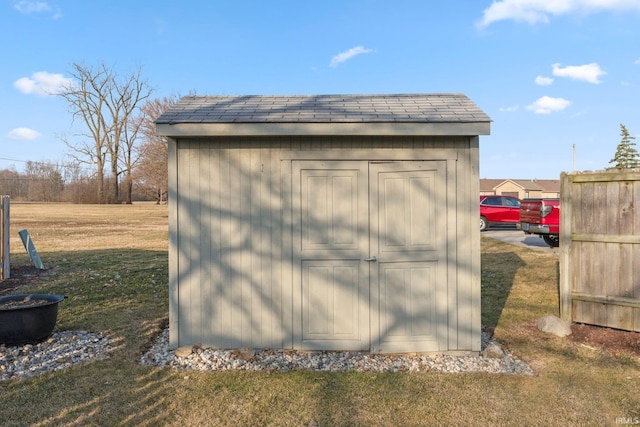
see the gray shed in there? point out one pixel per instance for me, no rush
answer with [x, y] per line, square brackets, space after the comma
[325, 222]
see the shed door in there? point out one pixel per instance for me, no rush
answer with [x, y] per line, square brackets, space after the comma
[345, 214]
[408, 212]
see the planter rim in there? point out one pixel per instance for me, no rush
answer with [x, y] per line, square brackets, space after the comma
[49, 298]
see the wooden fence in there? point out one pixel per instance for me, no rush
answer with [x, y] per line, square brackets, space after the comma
[5, 265]
[600, 249]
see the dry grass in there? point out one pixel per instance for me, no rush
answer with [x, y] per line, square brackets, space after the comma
[112, 263]
[62, 227]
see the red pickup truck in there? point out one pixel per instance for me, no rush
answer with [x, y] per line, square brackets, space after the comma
[541, 217]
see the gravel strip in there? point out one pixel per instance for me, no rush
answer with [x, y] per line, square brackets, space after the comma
[66, 348]
[61, 350]
[493, 360]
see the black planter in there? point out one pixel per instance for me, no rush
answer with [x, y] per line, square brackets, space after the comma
[27, 324]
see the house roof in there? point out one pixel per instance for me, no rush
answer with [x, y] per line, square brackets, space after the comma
[527, 184]
[550, 185]
[487, 184]
[413, 114]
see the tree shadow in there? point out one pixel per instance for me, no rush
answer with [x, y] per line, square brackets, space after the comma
[234, 231]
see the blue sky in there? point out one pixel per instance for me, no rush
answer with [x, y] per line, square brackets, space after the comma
[550, 74]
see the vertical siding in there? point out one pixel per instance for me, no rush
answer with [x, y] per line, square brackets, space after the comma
[174, 266]
[455, 302]
[223, 288]
[230, 251]
[228, 223]
[469, 245]
[464, 247]
[188, 256]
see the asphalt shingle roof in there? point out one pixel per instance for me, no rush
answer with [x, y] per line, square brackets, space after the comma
[408, 108]
[553, 185]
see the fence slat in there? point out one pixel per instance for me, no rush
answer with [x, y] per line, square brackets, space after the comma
[605, 238]
[600, 249]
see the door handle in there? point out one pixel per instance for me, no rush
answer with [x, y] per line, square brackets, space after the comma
[372, 259]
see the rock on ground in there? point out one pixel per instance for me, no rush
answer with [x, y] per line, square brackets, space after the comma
[554, 325]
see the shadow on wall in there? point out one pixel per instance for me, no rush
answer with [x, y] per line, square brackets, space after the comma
[233, 254]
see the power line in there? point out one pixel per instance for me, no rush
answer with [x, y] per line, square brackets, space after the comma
[47, 163]
[16, 160]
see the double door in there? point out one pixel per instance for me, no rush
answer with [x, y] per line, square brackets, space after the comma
[370, 255]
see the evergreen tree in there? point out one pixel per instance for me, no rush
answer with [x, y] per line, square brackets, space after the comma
[626, 157]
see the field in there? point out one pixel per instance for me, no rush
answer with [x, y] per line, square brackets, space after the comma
[111, 262]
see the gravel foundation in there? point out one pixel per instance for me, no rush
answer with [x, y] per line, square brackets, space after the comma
[66, 348]
[493, 360]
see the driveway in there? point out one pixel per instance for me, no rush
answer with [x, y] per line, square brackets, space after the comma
[517, 237]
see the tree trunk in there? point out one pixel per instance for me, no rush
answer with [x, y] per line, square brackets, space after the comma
[100, 182]
[114, 193]
[129, 188]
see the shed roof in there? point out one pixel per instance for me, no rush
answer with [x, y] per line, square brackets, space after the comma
[408, 114]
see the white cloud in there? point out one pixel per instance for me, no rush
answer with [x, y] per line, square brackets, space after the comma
[588, 72]
[637, 61]
[509, 109]
[28, 7]
[31, 6]
[24, 133]
[544, 81]
[547, 105]
[539, 11]
[43, 83]
[347, 55]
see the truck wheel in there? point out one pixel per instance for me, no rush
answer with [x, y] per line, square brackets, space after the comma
[483, 223]
[551, 240]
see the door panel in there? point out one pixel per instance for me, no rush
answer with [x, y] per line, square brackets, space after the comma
[408, 238]
[409, 212]
[330, 300]
[407, 290]
[330, 231]
[330, 209]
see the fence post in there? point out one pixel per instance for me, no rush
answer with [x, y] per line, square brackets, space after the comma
[5, 263]
[565, 287]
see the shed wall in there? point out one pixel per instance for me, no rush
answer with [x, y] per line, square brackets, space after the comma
[231, 241]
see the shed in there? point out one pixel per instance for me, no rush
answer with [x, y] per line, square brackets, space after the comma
[325, 222]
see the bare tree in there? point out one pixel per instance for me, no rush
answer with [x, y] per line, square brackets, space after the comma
[152, 168]
[130, 153]
[80, 184]
[123, 103]
[45, 182]
[105, 102]
[86, 100]
[13, 183]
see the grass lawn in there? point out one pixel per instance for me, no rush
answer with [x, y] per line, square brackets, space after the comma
[111, 262]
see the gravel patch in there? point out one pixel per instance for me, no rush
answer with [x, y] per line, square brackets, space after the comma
[61, 350]
[493, 359]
